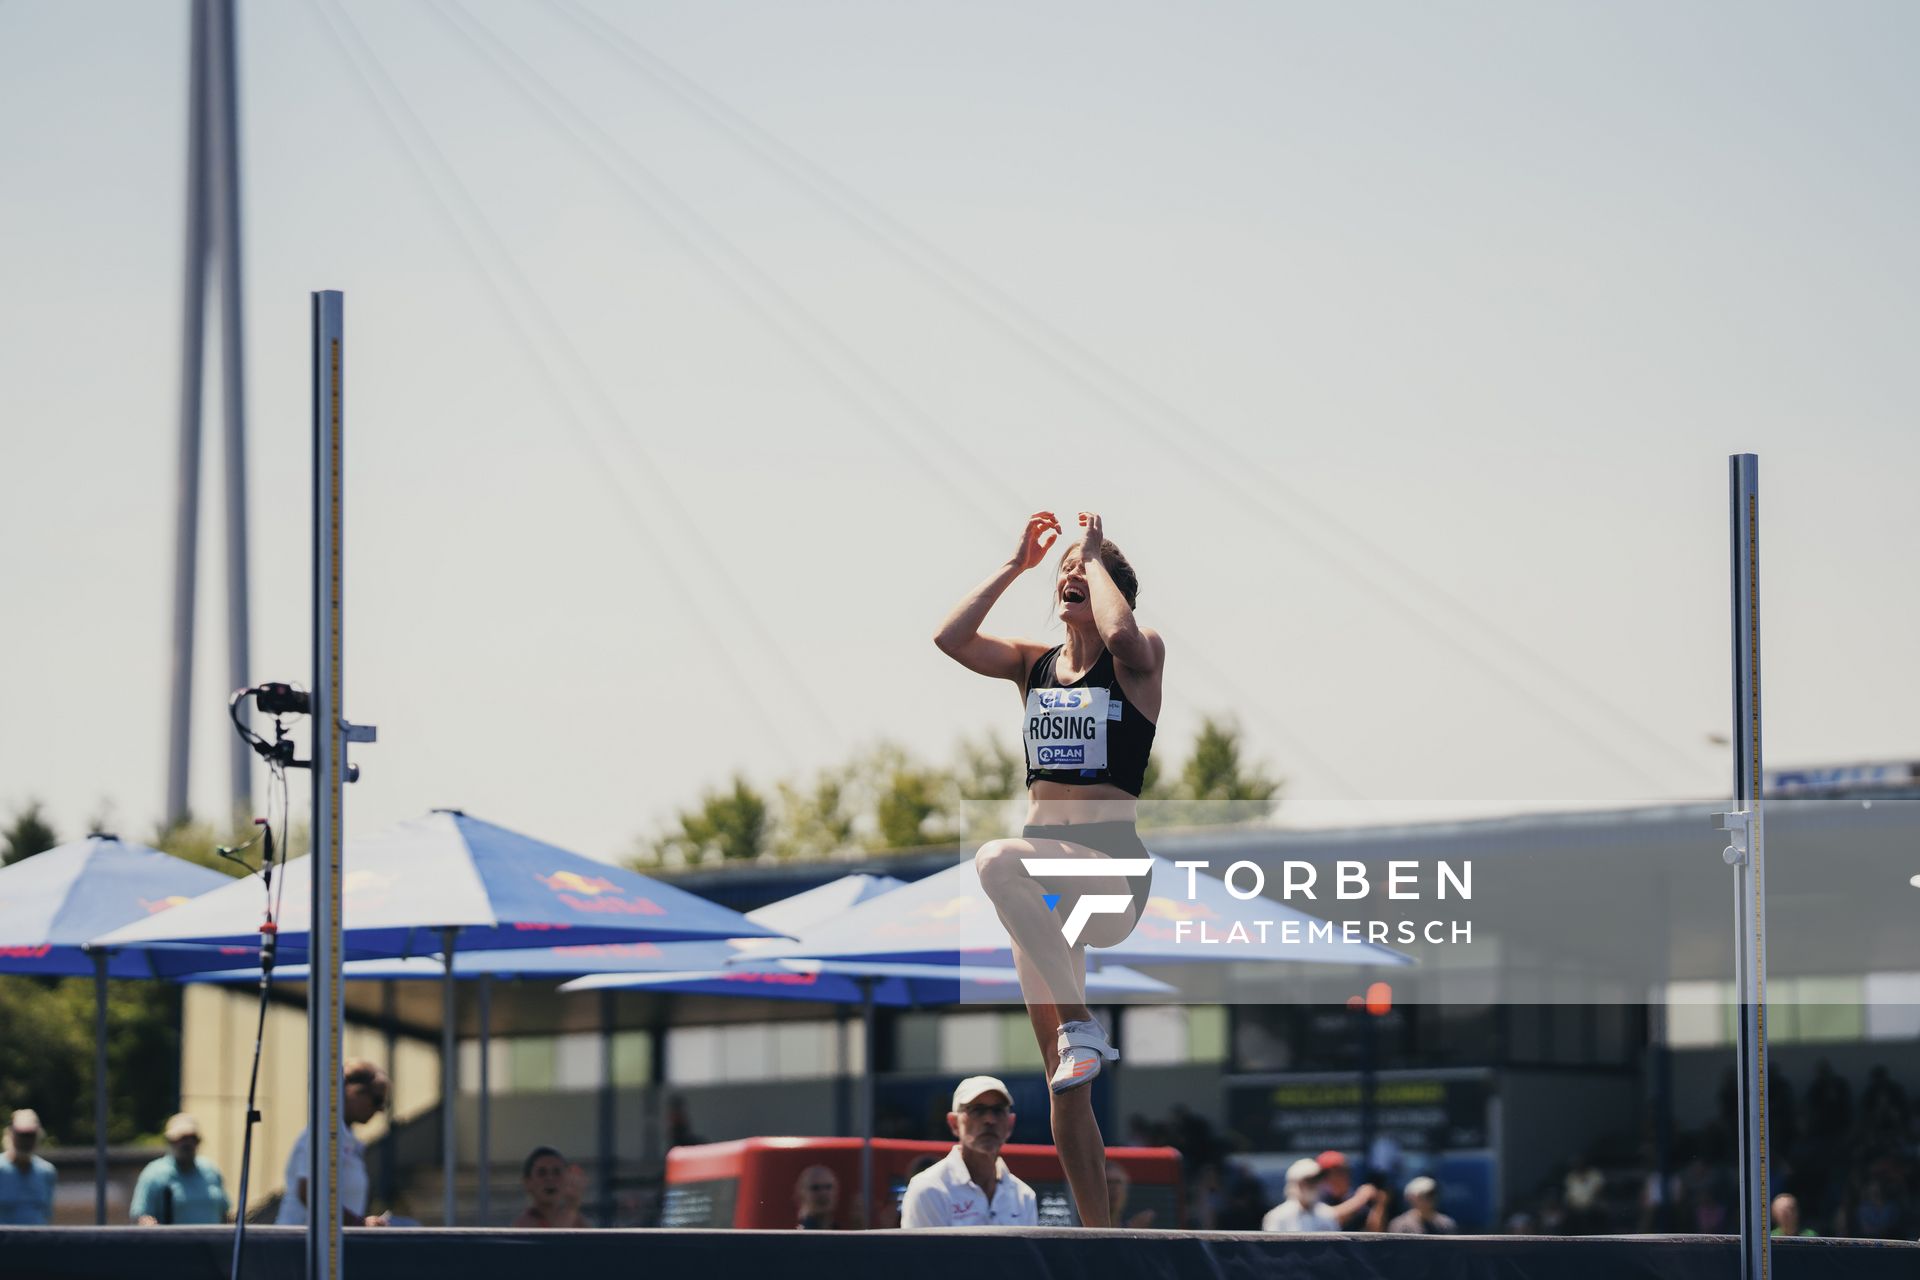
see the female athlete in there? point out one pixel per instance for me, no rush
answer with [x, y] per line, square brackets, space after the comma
[1091, 703]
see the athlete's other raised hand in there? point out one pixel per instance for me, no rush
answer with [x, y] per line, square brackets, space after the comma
[1036, 542]
[1094, 540]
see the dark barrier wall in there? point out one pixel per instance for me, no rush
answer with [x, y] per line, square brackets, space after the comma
[275, 1253]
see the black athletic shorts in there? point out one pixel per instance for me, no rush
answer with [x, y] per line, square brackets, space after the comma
[1115, 839]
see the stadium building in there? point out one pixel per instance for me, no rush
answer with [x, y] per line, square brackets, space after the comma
[1586, 1020]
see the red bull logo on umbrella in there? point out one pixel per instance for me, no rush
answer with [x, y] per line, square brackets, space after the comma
[610, 950]
[933, 919]
[1173, 909]
[771, 978]
[597, 894]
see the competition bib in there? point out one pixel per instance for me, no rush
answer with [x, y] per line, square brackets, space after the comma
[1067, 728]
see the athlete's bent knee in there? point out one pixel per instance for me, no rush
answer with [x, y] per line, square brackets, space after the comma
[998, 863]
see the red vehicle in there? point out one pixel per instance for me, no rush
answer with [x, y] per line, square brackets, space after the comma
[750, 1182]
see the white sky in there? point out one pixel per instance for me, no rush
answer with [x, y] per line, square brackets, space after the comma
[1494, 287]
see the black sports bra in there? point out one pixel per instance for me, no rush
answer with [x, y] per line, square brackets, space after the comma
[1084, 733]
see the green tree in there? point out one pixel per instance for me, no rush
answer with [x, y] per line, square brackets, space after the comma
[1215, 773]
[909, 799]
[988, 769]
[46, 1054]
[29, 833]
[1153, 786]
[46, 1024]
[729, 825]
[199, 843]
[815, 822]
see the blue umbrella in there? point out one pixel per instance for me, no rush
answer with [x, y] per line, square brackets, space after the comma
[420, 887]
[890, 983]
[435, 885]
[570, 961]
[773, 921]
[725, 968]
[56, 902]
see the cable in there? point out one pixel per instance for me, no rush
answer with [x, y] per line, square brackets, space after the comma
[762, 296]
[424, 155]
[1016, 321]
[269, 943]
[651, 193]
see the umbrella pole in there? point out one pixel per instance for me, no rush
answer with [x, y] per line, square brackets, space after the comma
[486, 1102]
[866, 1102]
[100, 1088]
[449, 1075]
[604, 1121]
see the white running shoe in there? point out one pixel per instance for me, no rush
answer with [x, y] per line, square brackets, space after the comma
[1083, 1049]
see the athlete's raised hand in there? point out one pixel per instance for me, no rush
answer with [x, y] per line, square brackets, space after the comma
[1094, 540]
[1043, 530]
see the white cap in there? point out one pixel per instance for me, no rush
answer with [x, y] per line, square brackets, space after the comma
[1303, 1169]
[1421, 1186]
[25, 1120]
[181, 1126]
[973, 1086]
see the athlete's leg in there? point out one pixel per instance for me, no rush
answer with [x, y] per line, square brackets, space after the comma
[1041, 954]
[1053, 981]
[1076, 1132]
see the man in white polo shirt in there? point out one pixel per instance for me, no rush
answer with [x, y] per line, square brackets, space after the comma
[973, 1187]
[363, 1095]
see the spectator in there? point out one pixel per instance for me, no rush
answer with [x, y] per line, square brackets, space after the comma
[1423, 1218]
[1242, 1200]
[816, 1194]
[363, 1094]
[1711, 1216]
[1877, 1217]
[1353, 1210]
[680, 1125]
[1783, 1111]
[1192, 1136]
[1302, 1210]
[890, 1214]
[1118, 1185]
[1786, 1218]
[1552, 1218]
[973, 1187]
[1829, 1104]
[1657, 1190]
[26, 1180]
[180, 1187]
[1581, 1195]
[1205, 1198]
[554, 1190]
[1883, 1103]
